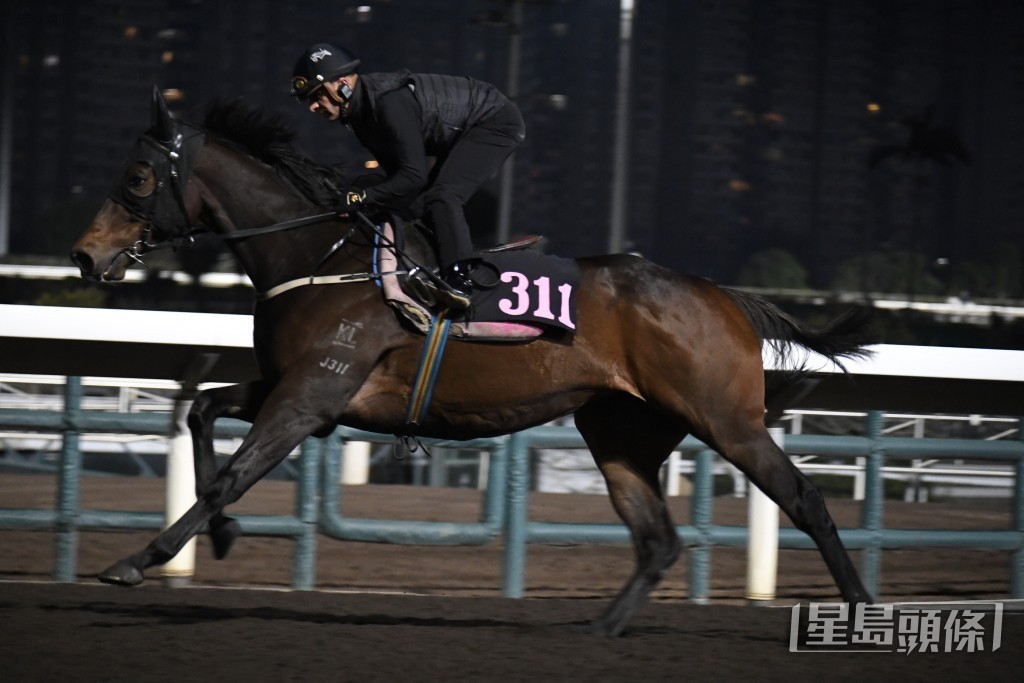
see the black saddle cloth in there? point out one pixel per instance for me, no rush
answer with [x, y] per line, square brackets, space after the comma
[521, 286]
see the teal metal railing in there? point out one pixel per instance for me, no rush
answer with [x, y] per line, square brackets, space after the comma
[701, 535]
[505, 503]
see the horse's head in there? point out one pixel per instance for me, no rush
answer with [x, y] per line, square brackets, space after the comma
[148, 206]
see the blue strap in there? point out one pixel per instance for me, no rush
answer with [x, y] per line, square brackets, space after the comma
[426, 375]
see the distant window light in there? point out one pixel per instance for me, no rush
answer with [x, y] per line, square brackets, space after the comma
[744, 80]
[51, 60]
[372, 163]
[167, 57]
[364, 9]
[130, 32]
[737, 185]
[167, 33]
[874, 108]
[174, 94]
[773, 117]
[744, 115]
[559, 102]
[364, 13]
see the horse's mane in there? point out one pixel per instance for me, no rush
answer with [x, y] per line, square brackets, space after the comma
[266, 137]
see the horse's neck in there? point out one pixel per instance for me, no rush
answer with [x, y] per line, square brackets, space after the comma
[239, 194]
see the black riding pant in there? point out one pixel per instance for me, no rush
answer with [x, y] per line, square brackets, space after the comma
[475, 157]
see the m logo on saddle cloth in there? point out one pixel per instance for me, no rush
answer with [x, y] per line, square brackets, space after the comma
[519, 295]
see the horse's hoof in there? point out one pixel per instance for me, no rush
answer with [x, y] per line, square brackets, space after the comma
[122, 573]
[223, 537]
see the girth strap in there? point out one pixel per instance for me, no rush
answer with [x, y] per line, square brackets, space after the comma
[426, 375]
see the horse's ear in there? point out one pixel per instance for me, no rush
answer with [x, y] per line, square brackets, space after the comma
[160, 125]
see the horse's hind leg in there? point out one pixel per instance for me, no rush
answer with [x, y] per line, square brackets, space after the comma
[240, 401]
[630, 442]
[751, 448]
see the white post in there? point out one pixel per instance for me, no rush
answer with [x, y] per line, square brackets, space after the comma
[762, 539]
[672, 474]
[181, 495]
[355, 463]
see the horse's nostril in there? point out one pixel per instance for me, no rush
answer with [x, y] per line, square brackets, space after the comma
[83, 261]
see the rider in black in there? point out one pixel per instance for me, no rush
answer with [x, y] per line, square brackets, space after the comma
[468, 126]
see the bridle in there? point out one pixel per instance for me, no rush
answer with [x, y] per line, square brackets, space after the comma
[163, 210]
[164, 214]
[166, 220]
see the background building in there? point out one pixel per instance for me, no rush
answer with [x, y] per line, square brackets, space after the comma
[752, 123]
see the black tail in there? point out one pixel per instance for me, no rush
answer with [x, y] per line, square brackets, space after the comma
[844, 337]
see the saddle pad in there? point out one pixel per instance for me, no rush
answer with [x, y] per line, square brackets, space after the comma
[420, 317]
[529, 287]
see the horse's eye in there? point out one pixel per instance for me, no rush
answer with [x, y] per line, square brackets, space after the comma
[139, 180]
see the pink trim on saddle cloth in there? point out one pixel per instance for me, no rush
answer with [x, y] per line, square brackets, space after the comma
[418, 314]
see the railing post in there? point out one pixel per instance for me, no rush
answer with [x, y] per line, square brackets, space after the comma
[180, 491]
[700, 555]
[516, 520]
[304, 560]
[68, 485]
[871, 509]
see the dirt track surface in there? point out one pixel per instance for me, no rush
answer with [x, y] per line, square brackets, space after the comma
[73, 633]
[424, 613]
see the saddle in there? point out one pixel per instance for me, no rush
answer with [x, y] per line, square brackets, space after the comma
[518, 293]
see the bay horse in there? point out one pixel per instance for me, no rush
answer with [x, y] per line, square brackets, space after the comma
[656, 355]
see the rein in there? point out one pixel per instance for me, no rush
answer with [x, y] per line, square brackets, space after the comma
[172, 163]
[192, 238]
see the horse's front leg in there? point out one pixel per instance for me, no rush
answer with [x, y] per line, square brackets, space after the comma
[241, 401]
[284, 421]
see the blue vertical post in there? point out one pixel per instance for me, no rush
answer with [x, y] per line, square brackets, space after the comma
[516, 519]
[700, 556]
[304, 561]
[1017, 558]
[874, 498]
[68, 485]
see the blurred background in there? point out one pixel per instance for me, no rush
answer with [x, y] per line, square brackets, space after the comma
[822, 151]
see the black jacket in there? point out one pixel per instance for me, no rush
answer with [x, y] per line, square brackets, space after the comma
[402, 118]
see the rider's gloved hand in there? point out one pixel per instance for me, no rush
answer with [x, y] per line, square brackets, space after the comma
[351, 200]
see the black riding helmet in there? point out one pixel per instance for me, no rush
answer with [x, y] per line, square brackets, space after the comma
[318, 64]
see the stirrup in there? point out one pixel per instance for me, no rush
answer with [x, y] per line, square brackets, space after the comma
[435, 292]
